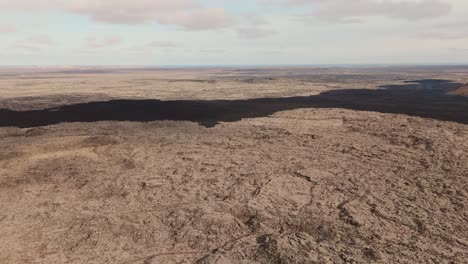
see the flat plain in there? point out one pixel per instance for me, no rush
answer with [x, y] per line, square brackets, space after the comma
[234, 165]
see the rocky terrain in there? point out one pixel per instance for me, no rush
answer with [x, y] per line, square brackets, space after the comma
[267, 165]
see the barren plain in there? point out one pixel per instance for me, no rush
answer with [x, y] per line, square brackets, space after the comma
[234, 165]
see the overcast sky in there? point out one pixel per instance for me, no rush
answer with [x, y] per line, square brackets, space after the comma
[233, 32]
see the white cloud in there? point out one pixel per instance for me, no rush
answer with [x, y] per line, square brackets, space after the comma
[444, 31]
[162, 44]
[201, 19]
[254, 32]
[212, 50]
[34, 43]
[352, 11]
[4, 28]
[102, 42]
[183, 13]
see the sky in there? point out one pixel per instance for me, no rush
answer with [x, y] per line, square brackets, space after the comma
[233, 32]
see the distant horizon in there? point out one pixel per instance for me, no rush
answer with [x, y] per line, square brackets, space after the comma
[237, 65]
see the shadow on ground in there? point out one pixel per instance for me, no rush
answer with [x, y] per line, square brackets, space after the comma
[423, 98]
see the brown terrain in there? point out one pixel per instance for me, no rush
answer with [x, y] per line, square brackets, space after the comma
[462, 90]
[264, 165]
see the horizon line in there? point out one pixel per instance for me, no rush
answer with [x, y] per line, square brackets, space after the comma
[234, 65]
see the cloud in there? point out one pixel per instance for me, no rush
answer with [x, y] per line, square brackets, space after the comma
[274, 52]
[250, 26]
[202, 19]
[254, 32]
[103, 42]
[26, 5]
[34, 43]
[253, 19]
[458, 50]
[157, 45]
[125, 11]
[442, 35]
[352, 11]
[162, 44]
[8, 28]
[213, 50]
[452, 30]
[186, 14]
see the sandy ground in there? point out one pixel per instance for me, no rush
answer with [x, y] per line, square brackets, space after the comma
[293, 165]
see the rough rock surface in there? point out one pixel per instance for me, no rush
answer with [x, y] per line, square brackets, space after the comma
[304, 185]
